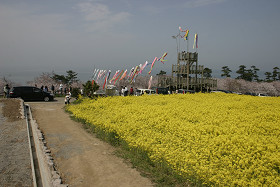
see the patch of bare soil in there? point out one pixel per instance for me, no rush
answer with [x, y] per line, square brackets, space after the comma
[81, 158]
[11, 109]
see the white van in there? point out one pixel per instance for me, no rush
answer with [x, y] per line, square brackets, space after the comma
[262, 95]
[145, 91]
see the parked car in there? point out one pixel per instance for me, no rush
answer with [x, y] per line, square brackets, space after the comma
[238, 93]
[224, 91]
[250, 93]
[30, 93]
[184, 91]
[144, 91]
[160, 90]
[262, 95]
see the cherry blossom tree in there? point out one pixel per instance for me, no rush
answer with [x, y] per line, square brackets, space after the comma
[242, 86]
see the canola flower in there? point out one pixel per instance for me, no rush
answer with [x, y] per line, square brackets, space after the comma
[220, 139]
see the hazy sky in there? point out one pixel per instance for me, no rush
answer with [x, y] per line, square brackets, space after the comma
[80, 35]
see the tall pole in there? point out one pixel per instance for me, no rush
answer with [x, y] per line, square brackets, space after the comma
[175, 37]
[177, 43]
[187, 45]
[177, 66]
[188, 65]
[179, 40]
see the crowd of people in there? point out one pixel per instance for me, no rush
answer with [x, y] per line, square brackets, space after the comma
[61, 90]
[125, 91]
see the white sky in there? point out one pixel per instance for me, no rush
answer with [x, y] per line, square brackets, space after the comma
[44, 35]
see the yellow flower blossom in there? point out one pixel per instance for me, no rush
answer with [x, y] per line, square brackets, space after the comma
[221, 139]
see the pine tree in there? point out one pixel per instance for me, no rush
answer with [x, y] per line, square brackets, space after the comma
[268, 76]
[68, 79]
[90, 88]
[275, 74]
[246, 74]
[242, 72]
[255, 75]
[207, 72]
[71, 76]
[226, 71]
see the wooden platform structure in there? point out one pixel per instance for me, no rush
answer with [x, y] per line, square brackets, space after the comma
[187, 74]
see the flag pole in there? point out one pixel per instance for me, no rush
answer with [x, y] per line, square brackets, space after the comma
[187, 44]
[196, 40]
[179, 41]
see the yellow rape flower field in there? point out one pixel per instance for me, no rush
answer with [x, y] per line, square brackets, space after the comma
[219, 139]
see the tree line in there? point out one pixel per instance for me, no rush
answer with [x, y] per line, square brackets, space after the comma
[248, 74]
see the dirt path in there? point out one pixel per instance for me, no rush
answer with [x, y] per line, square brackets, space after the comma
[81, 158]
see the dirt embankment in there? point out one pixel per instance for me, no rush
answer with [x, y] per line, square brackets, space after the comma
[15, 163]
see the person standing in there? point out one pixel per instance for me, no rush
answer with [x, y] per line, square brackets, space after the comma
[131, 91]
[125, 91]
[52, 88]
[60, 88]
[67, 99]
[69, 93]
[6, 91]
[122, 91]
[46, 89]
